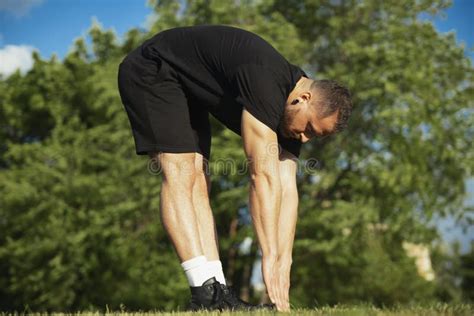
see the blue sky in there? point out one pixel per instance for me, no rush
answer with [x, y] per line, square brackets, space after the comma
[459, 18]
[50, 26]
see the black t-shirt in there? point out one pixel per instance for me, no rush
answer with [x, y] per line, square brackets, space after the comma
[224, 69]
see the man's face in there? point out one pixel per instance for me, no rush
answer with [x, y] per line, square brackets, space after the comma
[301, 121]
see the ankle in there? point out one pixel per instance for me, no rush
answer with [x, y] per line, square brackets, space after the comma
[197, 271]
[215, 266]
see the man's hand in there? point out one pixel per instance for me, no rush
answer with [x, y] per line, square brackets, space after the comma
[268, 271]
[284, 269]
[276, 274]
[272, 282]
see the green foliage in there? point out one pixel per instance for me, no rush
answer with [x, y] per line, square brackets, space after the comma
[79, 224]
[447, 268]
[467, 274]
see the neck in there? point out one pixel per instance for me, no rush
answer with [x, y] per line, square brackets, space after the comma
[304, 83]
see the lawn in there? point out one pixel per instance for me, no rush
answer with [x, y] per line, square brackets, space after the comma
[356, 310]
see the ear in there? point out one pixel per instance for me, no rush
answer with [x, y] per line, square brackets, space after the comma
[306, 96]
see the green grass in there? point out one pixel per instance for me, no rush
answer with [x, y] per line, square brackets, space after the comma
[350, 310]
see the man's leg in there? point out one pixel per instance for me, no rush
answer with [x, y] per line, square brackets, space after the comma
[176, 203]
[179, 216]
[202, 208]
[205, 218]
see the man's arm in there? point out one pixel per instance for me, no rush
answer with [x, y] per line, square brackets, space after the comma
[265, 185]
[288, 217]
[261, 148]
[289, 206]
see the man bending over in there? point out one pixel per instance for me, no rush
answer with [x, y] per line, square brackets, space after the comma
[169, 85]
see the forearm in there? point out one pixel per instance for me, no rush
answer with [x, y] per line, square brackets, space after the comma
[265, 201]
[287, 223]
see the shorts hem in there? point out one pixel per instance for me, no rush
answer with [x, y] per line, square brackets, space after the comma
[170, 149]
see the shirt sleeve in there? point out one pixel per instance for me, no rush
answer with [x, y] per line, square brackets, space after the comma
[257, 91]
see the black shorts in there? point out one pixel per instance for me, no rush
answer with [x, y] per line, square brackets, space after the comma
[161, 116]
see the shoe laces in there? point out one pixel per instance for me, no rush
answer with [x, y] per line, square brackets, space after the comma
[218, 293]
[231, 297]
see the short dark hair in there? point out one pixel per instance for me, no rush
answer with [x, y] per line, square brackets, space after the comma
[333, 98]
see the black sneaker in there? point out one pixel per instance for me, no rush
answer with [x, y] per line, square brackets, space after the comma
[215, 296]
[206, 297]
[230, 301]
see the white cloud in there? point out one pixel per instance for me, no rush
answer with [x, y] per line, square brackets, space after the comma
[13, 57]
[18, 7]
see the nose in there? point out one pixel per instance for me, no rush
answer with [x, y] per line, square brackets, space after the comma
[303, 138]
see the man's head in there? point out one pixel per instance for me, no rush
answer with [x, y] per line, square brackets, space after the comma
[315, 108]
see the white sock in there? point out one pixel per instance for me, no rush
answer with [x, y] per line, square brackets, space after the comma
[215, 266]
[197, 271]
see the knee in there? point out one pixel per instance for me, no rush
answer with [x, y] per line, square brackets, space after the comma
[178, 169]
